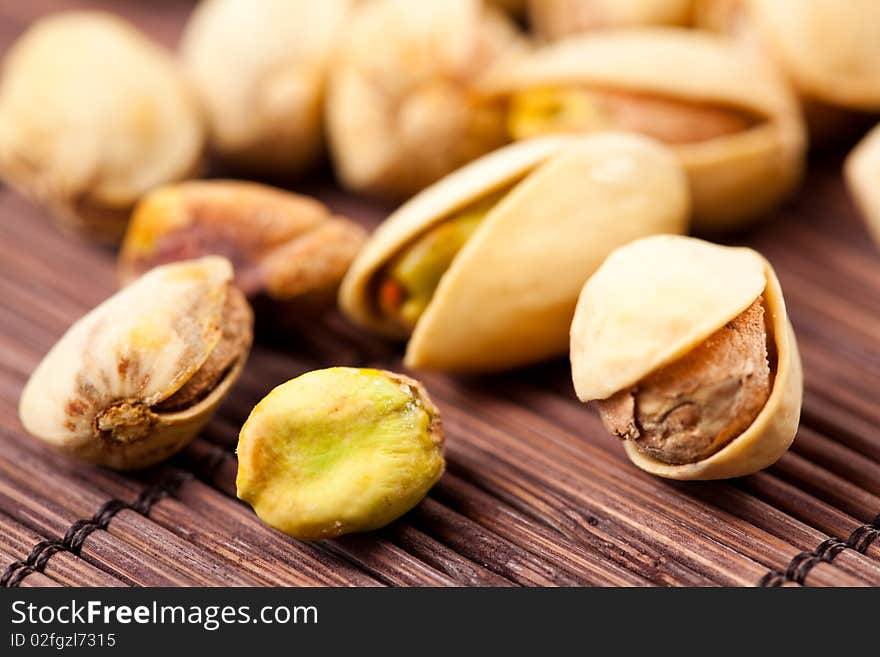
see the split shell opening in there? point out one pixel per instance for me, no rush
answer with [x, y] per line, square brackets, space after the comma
[506, 291]
[675, 323]
[725, 112]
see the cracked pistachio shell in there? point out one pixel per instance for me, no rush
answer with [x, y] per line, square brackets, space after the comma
[508, 297]
[263, 95]
[828, 49]
[339, 450]
[92, 115]
[862, 174]
[140, 346]
[733, 178]
[401, 109]
[653, 301]
[553, 19]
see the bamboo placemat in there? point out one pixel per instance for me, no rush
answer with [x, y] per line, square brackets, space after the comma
[536, 492]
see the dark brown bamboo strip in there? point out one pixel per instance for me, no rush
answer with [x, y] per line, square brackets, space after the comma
[514, 527]
[99, 548]
[248, 552]
[562, 411]
[823, 378]
[472, 502]
[17, 541]
[31, 477]
[462, 570]
[630, 538]
[828, 487]
[396, 566]
[839, 459]
[381, 559]
[682, 543]
[469, 538]
[257, 548]
[806, 508]
[830, 420]
[231, 529]
[653, 491]
[38, 580]
[525, 567]
[773, 521]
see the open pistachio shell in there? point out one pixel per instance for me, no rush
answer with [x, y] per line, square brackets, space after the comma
[259, 69]
[734, 177]
[401, 111]
[98, 393]
[92, 115]
[862, 174]
[553, 19]
[508, 296]
[656, 299]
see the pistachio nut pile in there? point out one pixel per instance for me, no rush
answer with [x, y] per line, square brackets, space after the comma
[546, 161]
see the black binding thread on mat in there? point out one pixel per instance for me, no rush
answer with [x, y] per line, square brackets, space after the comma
[802, 563]
[79, 531]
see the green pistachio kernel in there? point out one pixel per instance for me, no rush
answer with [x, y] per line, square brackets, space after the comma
[339, 450]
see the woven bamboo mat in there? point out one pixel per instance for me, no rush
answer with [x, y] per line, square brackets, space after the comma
[536, 492]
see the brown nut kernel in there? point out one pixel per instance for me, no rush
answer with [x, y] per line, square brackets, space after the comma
[135, 379]
[691, 408]
[284, 247]
[726, 113]
[687, 347]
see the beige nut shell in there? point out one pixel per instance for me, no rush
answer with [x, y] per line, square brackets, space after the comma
[830, 50]
[862, 175]
[259, 69]
[92, 115]
[653, 301]
[733, 178]
[142, 344]
[401, 111]
[554, 19]
[508, 297]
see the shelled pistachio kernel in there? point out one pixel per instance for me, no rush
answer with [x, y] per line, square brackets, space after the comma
[339, 450]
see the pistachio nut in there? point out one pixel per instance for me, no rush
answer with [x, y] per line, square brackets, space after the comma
[92, 115]
[401, 107]
[339, 450]
[259, 70]
[829, 52]
[724, 111]
[862, 175]
[290, 253]
[554, 19]
[689, 348]
[484, 267]
[135, 379]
